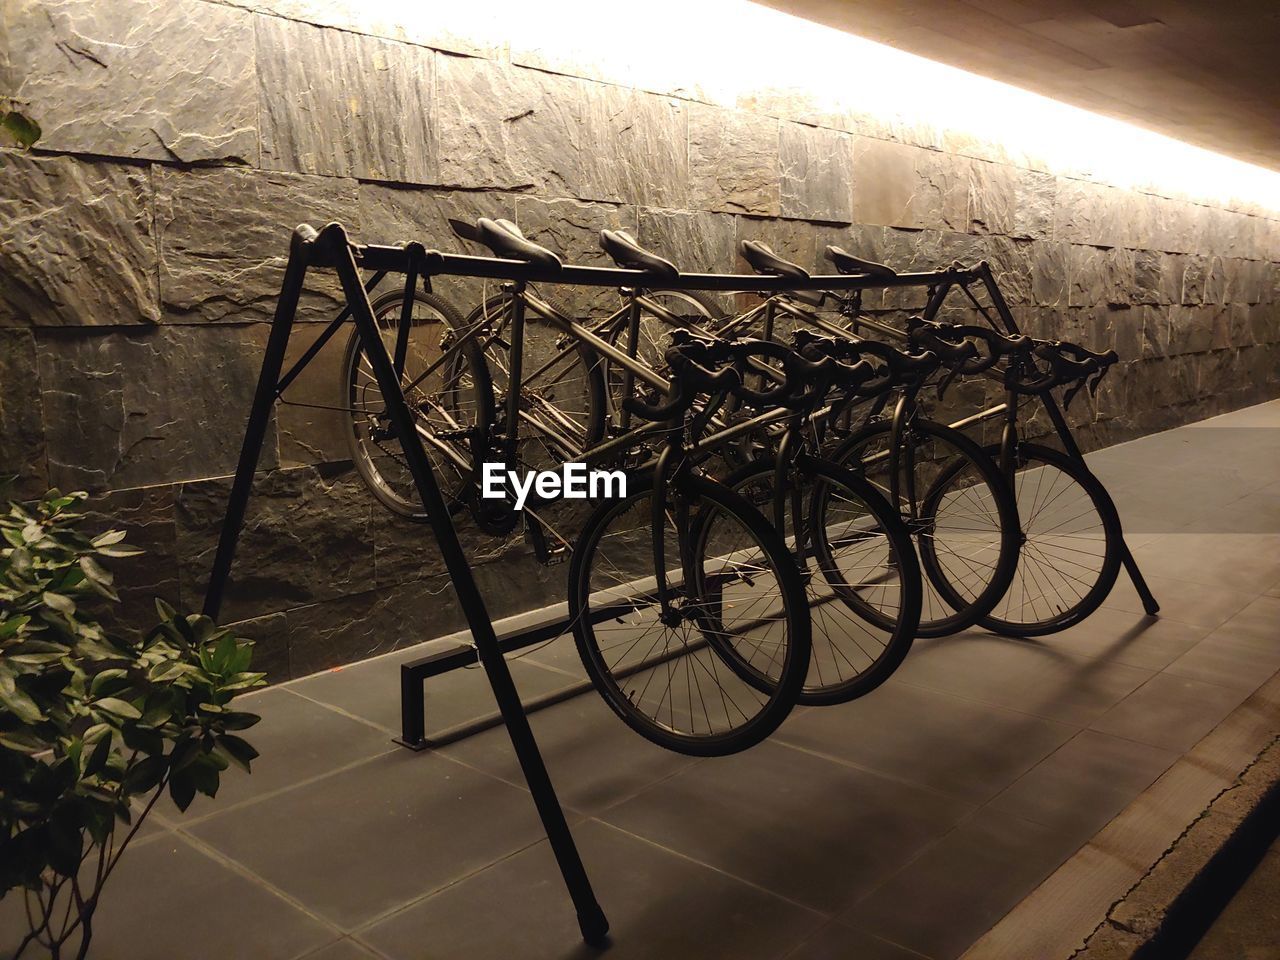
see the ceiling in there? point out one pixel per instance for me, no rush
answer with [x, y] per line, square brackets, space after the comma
[1203, 72]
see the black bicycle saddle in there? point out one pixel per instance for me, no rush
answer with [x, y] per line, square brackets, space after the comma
[624, 250]
[764, 260]
[505, 239]
[847, 263]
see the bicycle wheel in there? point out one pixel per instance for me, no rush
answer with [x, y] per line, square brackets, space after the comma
[452, 405]
[691, 309]
[1071, 544]
[861, 576]
[667, 678]
[562, 389]
[966, 536]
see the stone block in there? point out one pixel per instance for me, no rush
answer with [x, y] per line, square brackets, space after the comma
[22, 443]
[508, 128]
[1215, 281]
[270, 636]
[311, 429]
[1191, 330]
[1087, 213]
[1035, 195]
[1157, 330]
[817, 173]
[1117, 328]
[696, 242]
[393, 216]
[169, 80]
[636, 147]
[224, 238]
[1157, 277]
[358, 626]
[78, 247]
[898, 185]
[306, 538]
[572, 228]
[1030, 271]
[1100, 275]
[734, 164]
[472, 29]
[345, 105]
[1195, 275]
[996, 200]
[118, 407]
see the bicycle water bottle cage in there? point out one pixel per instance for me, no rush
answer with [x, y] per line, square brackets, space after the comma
[627, 253]
[506, 241]
[846, 262]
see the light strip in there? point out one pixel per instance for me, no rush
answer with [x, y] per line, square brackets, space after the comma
[734, 52]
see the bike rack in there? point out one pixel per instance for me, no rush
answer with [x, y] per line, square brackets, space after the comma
[330, 248]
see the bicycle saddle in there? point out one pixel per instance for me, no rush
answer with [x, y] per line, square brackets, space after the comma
[846, 262]
[764, 260]
[624, 250]
[505, 240]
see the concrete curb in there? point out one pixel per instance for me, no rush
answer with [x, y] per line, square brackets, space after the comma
[1167, 907]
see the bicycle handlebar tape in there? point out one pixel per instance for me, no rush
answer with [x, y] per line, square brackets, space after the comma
[627, 253]
[506, 241]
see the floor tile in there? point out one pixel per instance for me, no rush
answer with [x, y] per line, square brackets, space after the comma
[838, 941]
[362, 841]
[1180, 601]
[371, 690]
[1237, 561]
[595, 760]
[813, 830]
[296, 741]
[960, 886]
[660, 905]
[1170, 711]
[1228, 661]
[1083, 784]
[1039, 677]
[167, 899]
[1257, 624]
[959, 747]
[344, 949]
[1135, 639]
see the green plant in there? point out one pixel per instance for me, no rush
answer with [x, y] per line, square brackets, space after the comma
[94, 728]
[16, 125]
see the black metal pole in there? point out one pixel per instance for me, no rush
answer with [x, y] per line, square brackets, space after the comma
[1149, 603]
[591, 919]
[255, 432]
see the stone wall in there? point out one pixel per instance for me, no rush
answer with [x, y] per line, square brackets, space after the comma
[141, 248]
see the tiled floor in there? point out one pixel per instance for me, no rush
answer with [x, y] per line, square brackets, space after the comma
[903, 825]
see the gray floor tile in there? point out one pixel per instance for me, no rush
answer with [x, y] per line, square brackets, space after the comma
[1180, 601]
[811, 829]
[1080, 786]
[660, 905]
[1040, 677]
[595, 760]
[1228, 661]
[167, 899]
[296, 740]
[371, 691]
[838, 941]
[1257, 624]
[344, 949]
[966, 749]
[1132, 638]
[1243, 562]
[1170, 711]
[367, 839]
[960, 886]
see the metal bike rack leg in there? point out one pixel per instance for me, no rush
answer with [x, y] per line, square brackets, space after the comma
[331, 248]
[1060, 424]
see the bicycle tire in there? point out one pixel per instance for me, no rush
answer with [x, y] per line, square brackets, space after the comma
[954, 610]
[835, 635]
[618, 683]
[455, 485]
[1035, 569]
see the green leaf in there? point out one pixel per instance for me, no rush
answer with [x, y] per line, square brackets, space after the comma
[118, 707]
[182, 789]
[56, 601]
[238, 750]
[238, 720]
[109, 538]
[12, 625]
[17, 702]
[98, 759]
[145, 775]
